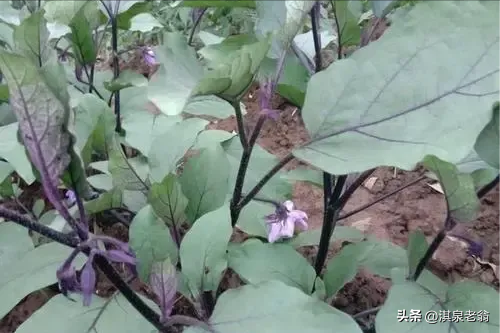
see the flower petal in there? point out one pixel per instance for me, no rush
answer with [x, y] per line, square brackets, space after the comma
[288, 228]
[289, 205]
[88, 281]
[299, 218]
[273, 232]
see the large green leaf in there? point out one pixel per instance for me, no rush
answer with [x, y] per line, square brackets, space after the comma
[14, 153]
[203, 249]
[283, 19]
[169, 147]
[116, 316]
[168, 201]
[204, 181]
[82, 39]
[311, 237]
[256, 262]
[140, 121]
[463, 203]
[128, 174]
[348, 29]
[144, 22]
[231, 76]
[381, 7]
[151, 241]
[31, 271]
[32, 39]
[455, 309]
[272, 307]
[179, 73]
[481, 172]
[381, 105]
[88, 114]
[379, 257]
[14, 243]
[417, 247]
[261, 162]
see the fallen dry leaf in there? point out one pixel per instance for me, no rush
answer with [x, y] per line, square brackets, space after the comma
[436, 187]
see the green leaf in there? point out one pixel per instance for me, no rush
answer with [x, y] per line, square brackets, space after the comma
[252, 218]
[210, 138]
[144, 22]
[203, 249]
[63, 12]
[82, 39]
[111, 199]
[88, 114]
[14, 152]
[487, 143]
[463, 300]
[14, 243]
[215, 3]
[348, 28]
[357, 111]
[168, 201]
[311, 237]
[313, 177]
[283, 19]
[126, 79]
[210, 105]
[379, 257]
[220, 52]
[128, 174]
[261, 162]
[169, 147]
[481, 172]
[32, 39]
[256, 262]
[272, 307]
[204, 181]
[293, 83]
[417, 246]
[141, 124]
[72, 316]
[33, 270]
[151, 241]
[231, 76]
[38, 207]
[171, 86]
[463, 203]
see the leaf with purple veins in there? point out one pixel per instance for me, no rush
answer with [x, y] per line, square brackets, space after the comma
[40, 101]
[163, 281]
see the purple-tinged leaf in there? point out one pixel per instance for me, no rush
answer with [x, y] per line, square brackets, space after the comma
[163, 281]
[40, 101]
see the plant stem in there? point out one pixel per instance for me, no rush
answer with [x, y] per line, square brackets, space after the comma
[366, 312]
[385, 196]
[346, 195]
[239, 122]
[484, 190]
[329, 221]
[31, 224]
[116, 70]
[235, 206]
[195, 25]
[208, 303]
[339, 31]
[253, 192]
[316, 36]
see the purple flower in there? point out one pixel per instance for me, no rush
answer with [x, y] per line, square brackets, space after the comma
[149, 56]
[163, 281]
[281, 224]
[88, 280]
[66, 274]
[266, 88]
[70, 198]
